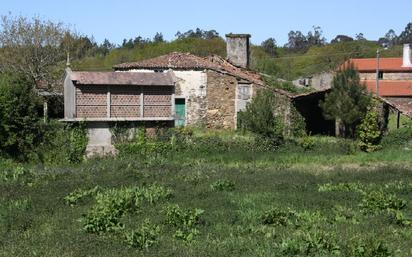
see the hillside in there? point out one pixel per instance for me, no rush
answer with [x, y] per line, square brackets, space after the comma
[285, 65]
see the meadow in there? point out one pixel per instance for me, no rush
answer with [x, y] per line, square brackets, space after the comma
[214, 194]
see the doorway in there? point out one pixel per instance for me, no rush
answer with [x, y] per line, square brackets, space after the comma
[180, 109]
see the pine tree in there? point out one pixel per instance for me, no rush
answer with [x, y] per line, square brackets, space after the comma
[348, 100]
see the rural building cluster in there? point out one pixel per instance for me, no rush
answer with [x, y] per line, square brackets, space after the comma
[181, 89]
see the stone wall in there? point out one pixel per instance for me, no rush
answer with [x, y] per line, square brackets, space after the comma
[387, 76]
[221, 97]
[192, 85]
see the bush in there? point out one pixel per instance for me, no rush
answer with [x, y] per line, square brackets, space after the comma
[369, 132]
[69, 139]
[260, 116]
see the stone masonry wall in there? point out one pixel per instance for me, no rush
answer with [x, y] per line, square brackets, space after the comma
[221, 95]
[192, 85]
[387, 76]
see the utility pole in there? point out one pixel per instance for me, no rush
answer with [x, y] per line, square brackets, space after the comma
[377, 72]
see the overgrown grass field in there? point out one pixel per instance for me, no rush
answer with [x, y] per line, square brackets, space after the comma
[220, 195]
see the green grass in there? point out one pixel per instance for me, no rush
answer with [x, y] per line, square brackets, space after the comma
[268, 203]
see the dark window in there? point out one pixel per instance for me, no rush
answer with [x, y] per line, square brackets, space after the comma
[380, 75]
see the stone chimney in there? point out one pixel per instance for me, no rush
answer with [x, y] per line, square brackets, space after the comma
[407, 55]
[238, 49]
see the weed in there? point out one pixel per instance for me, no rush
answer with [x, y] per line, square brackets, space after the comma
[223, 185]
[278, 217]
[185, 221]
[378, 200]
[79, 194]
[144, 236]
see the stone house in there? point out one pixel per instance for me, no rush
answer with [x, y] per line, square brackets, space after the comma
[209, 91]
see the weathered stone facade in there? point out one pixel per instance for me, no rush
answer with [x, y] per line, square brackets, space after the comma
[386, 75]
[221, 96]
[192, 86]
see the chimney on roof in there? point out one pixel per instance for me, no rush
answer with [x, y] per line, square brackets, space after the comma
[407, 55]
[238, 49]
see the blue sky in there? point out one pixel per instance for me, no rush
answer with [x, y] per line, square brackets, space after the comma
[120, 19]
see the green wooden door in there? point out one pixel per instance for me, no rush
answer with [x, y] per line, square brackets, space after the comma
[180, 112]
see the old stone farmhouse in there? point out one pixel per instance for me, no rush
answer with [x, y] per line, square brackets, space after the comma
[177, 89]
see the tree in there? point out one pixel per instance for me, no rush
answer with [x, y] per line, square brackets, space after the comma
[406, 36]
[297, 42]
[269, 46]
[315, 38]
[341, 38]
[19, 127]
[198, 33]
[348, 100]
[31, 47]
[389, 39]
[158, 38]
[106, 47]
[360, 37]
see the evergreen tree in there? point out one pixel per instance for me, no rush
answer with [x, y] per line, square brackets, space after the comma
[348, 100]
[369, 132]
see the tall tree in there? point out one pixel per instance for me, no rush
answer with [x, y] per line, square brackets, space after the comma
[270, 47]
[158, 38]
[389, 39]
[348, 101]
[406, 36]
[31, 47]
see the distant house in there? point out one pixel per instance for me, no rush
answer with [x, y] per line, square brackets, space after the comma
[392, 78]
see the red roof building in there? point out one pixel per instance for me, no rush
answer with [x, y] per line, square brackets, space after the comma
[395, 74]
[395, 79]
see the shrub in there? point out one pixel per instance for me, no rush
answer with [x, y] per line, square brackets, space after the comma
[260, 116]
[143, 237]
[70, 139]
[307, 142]
[368, 248]
[369, 133]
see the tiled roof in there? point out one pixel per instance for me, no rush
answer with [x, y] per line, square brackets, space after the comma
[122, 78]
[186, 61]
[385, 64]
[402, 104]
[390, 87]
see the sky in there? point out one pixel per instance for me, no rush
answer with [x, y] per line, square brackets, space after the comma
[116, 20]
